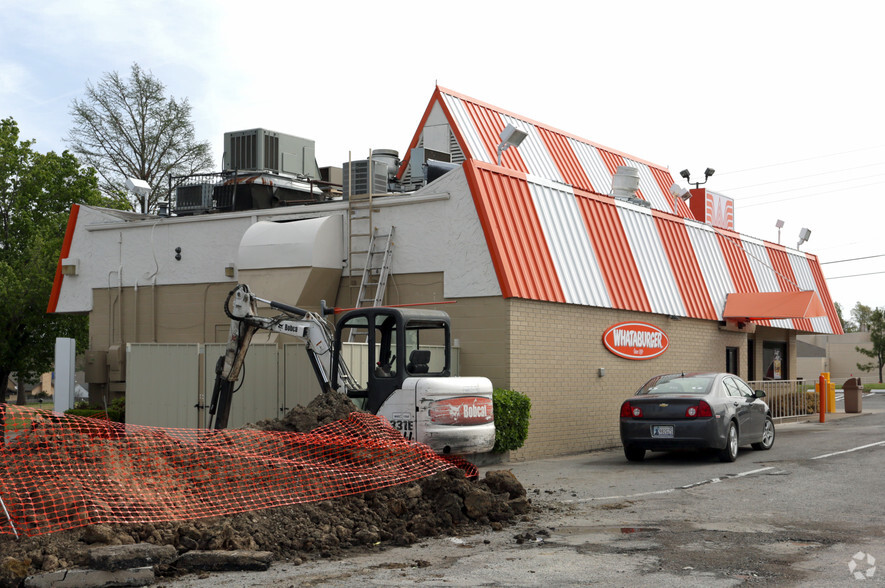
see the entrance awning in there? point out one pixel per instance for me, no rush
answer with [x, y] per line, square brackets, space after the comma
[773, 305]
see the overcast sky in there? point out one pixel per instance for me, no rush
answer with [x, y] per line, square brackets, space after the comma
[783, 99]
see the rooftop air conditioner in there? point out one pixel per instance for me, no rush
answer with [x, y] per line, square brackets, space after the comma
[259, 150]
[359, 177]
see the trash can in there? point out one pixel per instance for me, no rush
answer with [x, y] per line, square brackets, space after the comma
[853, 389]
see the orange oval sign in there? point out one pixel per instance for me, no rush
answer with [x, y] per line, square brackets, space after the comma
[635, 340]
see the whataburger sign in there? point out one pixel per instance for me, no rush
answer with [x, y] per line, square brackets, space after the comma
[635, 340]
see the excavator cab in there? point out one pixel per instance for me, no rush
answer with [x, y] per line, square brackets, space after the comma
[401, 343]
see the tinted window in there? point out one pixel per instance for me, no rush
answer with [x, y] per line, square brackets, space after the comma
[677, 384]
[744, 389]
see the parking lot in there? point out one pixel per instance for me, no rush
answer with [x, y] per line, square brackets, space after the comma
[799, 514]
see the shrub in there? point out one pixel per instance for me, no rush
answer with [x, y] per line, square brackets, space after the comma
[512, 411]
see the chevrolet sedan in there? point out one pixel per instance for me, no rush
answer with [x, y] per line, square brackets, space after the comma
[695, 411]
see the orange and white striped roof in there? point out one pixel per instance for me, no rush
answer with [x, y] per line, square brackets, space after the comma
[553, 242]
[546, 152]
[555, 234]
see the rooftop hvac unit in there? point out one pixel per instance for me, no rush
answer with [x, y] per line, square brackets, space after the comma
[364, 180]
[193, 199]
[263, 150]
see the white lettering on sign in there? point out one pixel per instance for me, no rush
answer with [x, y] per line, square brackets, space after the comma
[637, 339]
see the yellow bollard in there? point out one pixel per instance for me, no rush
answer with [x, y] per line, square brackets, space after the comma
[831, 397]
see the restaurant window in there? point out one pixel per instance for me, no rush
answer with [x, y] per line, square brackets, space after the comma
[774, 360]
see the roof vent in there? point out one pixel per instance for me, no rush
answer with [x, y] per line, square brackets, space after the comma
[625, 182]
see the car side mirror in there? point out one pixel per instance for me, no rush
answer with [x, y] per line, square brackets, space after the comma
[759, 393]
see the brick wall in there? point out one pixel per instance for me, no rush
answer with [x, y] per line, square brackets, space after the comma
[556, 351]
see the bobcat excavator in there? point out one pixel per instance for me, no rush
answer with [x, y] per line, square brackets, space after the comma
[418, 396]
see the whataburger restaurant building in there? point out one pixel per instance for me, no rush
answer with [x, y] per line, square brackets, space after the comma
[563, 292]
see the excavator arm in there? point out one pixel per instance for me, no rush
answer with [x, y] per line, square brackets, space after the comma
[241, 308]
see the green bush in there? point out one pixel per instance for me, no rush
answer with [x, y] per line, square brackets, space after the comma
[512, 412]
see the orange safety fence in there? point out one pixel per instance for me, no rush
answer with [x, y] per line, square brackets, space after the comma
[61, 472]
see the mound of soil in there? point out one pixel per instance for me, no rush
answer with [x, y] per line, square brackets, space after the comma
[445, 503]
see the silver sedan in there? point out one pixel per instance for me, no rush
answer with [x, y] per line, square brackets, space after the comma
[695, 411]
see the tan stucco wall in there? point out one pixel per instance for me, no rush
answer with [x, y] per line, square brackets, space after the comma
[189, 313]
[556, 351]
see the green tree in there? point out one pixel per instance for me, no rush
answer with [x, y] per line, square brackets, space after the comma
[131, 129]
[862, 314]
[847, 325]
[876, 322]
[36, 193]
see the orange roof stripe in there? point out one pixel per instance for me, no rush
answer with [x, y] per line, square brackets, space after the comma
[513, 232]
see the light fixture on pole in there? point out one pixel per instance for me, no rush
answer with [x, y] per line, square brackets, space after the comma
[510, 137]
[707, 173]
[141, 189]
[804, 234]
[779, 224]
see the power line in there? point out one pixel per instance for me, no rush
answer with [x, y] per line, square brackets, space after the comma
[855, 276]
[737, 171]
[808, 195]
[840, 182]
[852, 259]
[835, 171]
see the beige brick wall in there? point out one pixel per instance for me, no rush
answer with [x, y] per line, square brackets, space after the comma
[556, 351]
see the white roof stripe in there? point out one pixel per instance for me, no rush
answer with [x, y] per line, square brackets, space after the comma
[569, 244]
[591, 161]
[650, 188]
[468, 130]
[651, 260]
[712, 262]
[534, 151]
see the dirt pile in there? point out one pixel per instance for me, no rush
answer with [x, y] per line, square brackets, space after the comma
[445, 503]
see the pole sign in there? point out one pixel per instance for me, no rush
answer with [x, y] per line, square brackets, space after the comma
[635, 340]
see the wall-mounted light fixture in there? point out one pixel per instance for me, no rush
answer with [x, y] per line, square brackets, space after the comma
[510, 137]
[69, 266]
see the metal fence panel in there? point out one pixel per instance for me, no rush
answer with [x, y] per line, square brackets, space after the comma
[789, 399]
[257, 395]
[162, 384]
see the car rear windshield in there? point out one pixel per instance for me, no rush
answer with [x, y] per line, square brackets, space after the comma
[677, 384]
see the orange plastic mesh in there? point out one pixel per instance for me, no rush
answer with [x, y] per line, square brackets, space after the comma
[60, 472]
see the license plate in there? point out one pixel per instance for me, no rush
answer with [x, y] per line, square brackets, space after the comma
[662, 431]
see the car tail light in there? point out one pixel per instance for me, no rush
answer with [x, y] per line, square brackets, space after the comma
[701, 409]
[628, 410]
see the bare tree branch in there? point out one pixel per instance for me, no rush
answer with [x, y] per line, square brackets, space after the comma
[129, 128]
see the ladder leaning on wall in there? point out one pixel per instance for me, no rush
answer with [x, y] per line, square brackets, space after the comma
[374, 247]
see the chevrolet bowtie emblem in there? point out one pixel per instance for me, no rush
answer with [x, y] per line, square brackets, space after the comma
[663, 405]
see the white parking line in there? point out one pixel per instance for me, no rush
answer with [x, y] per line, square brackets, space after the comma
[669, 490]
[850, 450]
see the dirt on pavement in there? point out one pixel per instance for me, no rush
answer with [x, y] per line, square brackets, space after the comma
[445, 503]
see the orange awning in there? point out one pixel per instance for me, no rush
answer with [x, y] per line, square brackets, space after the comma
[773, 305]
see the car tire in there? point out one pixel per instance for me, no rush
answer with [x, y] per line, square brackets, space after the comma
[634, 453]
[767, 436]
[730, 451]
